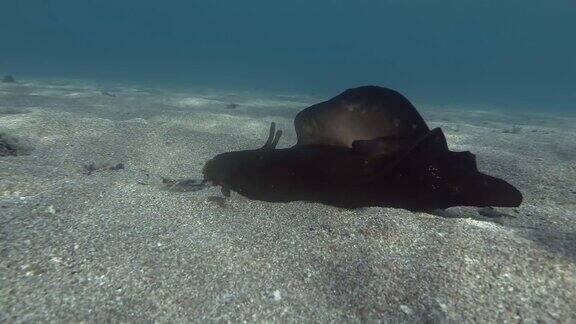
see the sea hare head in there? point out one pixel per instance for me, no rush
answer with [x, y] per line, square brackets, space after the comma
[221, 170]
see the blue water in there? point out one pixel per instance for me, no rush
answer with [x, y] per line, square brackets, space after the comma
[516, 54]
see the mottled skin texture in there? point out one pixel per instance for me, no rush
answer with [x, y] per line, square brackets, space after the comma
[420, 174]
[361, 114]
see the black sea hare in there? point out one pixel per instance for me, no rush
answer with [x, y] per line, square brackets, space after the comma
[368, 146]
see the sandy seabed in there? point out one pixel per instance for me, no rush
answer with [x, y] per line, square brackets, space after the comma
[115, 245]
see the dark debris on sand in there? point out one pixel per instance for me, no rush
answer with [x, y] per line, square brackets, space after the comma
[491, 213]
[9, 145]
[93, 167]
[8, 79]
[108, 93]
[183, 185]
[218, 201]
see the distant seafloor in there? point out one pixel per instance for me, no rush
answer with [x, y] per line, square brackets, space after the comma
[89, 231]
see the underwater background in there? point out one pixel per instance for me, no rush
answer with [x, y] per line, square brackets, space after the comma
[510, 55]
[110, 110]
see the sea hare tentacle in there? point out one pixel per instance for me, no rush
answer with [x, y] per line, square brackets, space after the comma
[276, 139]
[270, 136]
[273, 138]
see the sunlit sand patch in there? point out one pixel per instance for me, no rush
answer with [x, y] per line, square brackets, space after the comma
[482, 224]
[195, 102]
[458, 140]
[51, 139]
[219, 124]
[59, 89]
[62, 93]
[82, 94]
[47, 93]
[62, 83]
[10, 191]
[138, 91]
[16, 120]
